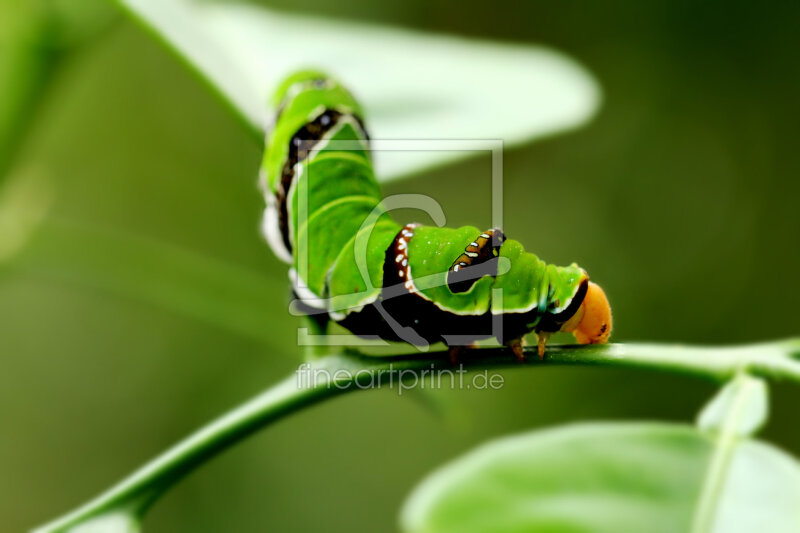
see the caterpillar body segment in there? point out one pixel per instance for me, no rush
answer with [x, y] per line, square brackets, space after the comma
[403, 282]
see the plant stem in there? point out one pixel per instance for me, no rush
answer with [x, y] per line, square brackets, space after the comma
[138, 491]
[336, 374]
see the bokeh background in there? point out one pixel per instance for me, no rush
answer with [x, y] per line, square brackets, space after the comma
[684, 194]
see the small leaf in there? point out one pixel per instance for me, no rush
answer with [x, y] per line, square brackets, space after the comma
[735, 413]
[413, 85]
[110, 522]
[601, 478]
[741, 407]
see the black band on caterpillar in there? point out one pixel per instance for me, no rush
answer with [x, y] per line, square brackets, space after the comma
[312, 132]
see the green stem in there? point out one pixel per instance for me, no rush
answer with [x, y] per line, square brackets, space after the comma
[137, 492]
[336, 374]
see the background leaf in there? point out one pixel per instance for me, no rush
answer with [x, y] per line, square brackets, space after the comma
[26, 56]
[412, 85]
[604, 478]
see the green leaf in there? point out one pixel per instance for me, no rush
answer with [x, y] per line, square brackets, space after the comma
[25, 59]
[741, 406]
[599, 478]
[413, 85]
[116, 522]
[34, 35]
[192, 284]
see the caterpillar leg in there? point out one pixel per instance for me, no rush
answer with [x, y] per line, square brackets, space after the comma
[457, 351]
[455, 354]
[542, 338]
[516, 346]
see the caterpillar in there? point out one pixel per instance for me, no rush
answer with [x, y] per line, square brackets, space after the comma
[350, 262]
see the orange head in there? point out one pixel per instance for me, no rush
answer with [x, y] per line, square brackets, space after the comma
[591, 324]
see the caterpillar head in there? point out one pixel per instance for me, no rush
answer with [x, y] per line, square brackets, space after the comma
[591, 324]
[292, 84]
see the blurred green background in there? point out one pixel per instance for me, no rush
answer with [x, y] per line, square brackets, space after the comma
[684, 206]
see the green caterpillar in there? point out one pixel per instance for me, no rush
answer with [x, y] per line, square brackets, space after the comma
[420, 284]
